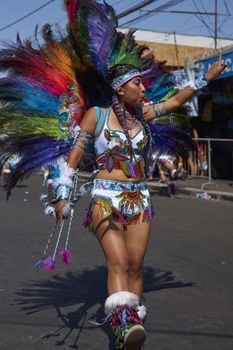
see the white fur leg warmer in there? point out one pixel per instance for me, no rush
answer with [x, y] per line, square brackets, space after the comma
[142, 312]
[120, 299]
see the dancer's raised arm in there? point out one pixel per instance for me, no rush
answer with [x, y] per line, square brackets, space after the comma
[187, 93]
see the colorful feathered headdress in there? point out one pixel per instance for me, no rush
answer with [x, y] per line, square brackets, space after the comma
[48, 86]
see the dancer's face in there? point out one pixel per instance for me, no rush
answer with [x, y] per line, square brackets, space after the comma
[132, 92]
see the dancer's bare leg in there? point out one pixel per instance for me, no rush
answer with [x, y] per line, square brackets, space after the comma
[137, 237]
[110, 234]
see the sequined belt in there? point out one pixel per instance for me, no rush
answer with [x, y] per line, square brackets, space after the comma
[113, 185]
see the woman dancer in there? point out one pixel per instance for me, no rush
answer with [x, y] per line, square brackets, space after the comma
[120, 210]
[48, 90]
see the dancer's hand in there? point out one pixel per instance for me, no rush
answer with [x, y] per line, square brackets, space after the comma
[216, 68]
[60, 205]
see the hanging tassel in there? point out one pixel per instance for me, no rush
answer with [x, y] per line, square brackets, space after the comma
[49, 264]
[38, 265]
[132, 170]
[66, 256]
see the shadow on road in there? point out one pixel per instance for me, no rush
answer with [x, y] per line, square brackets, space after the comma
[84, 290]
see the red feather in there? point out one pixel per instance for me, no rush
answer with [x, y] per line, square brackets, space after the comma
[28, 64]
[71, 8]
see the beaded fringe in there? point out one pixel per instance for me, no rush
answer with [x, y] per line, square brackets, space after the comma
[106, 210]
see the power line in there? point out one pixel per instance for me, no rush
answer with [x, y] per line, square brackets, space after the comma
[208, 27]
[147, 15]
[183, 12]
[208, 17]
[26, 16]
[227, 8]
[135, 8]
[116, 3]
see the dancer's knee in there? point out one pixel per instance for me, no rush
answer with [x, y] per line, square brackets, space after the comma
[118, 265]
[135, 269]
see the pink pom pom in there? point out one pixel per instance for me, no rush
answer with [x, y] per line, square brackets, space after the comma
[49, 264]
[66, 256]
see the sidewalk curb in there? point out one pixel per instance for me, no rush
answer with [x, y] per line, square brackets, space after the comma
[186, 190]
[218, 195]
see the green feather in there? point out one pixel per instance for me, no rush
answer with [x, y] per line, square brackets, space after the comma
[171, 93]
[20, 125]
[179, 120]
[129, 52]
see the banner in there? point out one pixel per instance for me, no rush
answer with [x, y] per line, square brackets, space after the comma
[202, 67]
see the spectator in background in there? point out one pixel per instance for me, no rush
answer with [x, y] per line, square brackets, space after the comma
[168, 166]
[192, 162]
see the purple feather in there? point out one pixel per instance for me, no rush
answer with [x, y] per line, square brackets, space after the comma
[36, 152]
[170, 139]
[154, 71]
[102, 24]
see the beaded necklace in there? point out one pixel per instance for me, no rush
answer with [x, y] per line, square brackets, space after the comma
[130, 121]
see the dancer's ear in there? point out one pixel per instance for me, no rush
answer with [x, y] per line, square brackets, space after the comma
[120, 91]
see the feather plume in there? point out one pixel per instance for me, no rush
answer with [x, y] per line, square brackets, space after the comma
[102, 25]
[170, 139]
[71, 9]
[129, 52]
[23, 95]
[160, 89]
[177, 119]
[18, 124]
[38, 88]
[36, 152]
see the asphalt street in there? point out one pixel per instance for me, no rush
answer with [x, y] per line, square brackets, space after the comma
[188, 278]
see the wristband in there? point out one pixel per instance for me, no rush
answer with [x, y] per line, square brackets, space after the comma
[201, 82]
[198, 83]
[63, 192]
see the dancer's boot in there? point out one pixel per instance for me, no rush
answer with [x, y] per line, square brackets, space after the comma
[122, 310]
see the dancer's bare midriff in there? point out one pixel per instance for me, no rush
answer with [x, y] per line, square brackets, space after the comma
[116, 175]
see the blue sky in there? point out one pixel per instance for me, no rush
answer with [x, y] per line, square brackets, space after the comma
[12, 10]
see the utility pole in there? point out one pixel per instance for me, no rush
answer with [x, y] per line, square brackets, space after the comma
[216, 26]
[177, 52]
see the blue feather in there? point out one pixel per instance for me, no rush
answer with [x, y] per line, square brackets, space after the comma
[159, 89]
[27, 97]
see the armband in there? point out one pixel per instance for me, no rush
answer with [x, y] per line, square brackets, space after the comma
[63, 192]
[83, 138]
[61, 182]
[160, 109]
